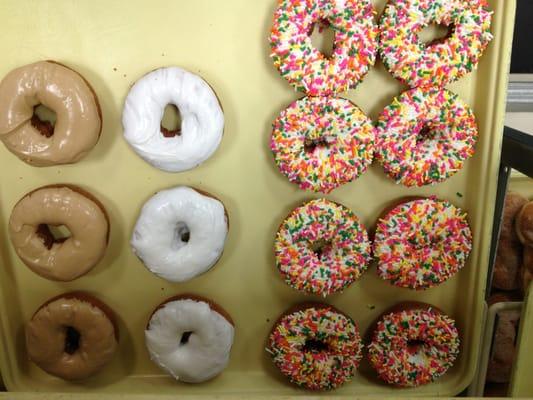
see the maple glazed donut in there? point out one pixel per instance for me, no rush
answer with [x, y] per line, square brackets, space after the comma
[64, 91]
[180, 233]
[421, 243]
[202, 119]
[442, 61]
[413, 344]
[72, 336]
[321, 248]
[190, 338]
[424, 136]
[63, 259]
[321, 143]
[305, 67]
[316, 346]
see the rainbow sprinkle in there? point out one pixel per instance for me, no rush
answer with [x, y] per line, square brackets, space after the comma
[321, 143]
[443, 62]
[413, 348]
[422, 243]
[412, 159]
[341, 258]
[306, 68]
[322, 368]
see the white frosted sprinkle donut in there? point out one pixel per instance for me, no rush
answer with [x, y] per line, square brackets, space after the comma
[202, 119]
[180, 233]
[190, 338]
[443, 61]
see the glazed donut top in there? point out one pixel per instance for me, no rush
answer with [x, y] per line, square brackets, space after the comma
[63, 260]
[64, 91]
[316, 370]
[399, 364]
[47, 341]
[202, 119]
[205, 351]
[157, 237]
[440, 63]
[422, 243]
[305, 67]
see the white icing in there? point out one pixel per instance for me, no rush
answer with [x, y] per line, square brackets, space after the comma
[202, 119]
[204, 355]
[156, 238]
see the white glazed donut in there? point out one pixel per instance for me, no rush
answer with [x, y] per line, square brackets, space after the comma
[180, 233]
[202, 119]
[189, 339]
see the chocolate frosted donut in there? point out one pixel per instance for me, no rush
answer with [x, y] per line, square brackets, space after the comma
[61, 89]
[62, 259]
[72, 336]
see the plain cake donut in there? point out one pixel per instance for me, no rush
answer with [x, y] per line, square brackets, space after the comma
[64, 91]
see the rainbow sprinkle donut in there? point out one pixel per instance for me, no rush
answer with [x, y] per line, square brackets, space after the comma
[443, 61]
[422, 243]
[320, 143]
[425, 136]
[306, 68]
[414, 346]
[316, 346]
[321, 248]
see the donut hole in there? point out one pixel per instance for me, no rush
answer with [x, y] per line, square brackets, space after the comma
[44, 120]
[414, 345]
[315, 346]
[72, 340]
[182, 235]
[171, 121]
[435, 33]
[323, 37]
[425, 134]
[310, 145]
[51, 234]
[320, 247]
[185, 336]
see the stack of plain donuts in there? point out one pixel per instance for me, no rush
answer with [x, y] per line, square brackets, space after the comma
[319, 142]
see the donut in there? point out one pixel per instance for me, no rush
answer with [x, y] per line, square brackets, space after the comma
[72, 336]
[316, 346]
[321, 143]
[514, 202]
[503, 350]
[306, 68]
[413, 344]
[202, 119]
[180, 233]
[526, 272]
[444, 61]
[422, 243]
[61, 259]
[425, 136]
[190, 338]
[524, 224]
[321, 248]
[62, 90]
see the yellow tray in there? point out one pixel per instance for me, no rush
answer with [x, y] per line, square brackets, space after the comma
[113, 44]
